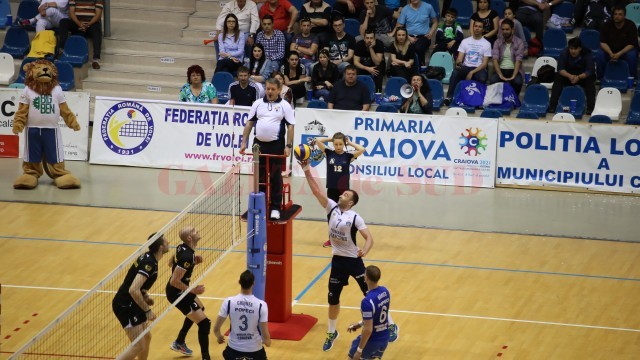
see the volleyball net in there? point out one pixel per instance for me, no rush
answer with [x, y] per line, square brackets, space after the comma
[89, 329]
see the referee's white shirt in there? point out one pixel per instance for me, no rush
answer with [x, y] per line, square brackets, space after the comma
[245, 312]
[268, 116]
[341, 225]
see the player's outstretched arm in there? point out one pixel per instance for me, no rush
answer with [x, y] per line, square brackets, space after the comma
[216, 329]
[266, 336]
[315, 188]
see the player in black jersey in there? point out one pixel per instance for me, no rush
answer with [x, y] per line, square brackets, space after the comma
[132, 304]
[182, 267]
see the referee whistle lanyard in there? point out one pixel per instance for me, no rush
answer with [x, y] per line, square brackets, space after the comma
[270, 103]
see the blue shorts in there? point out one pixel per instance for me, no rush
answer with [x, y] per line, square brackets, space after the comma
[43, 141]
[373, 349]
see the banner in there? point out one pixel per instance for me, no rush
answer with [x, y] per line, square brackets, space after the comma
[76, 143]
[408, 148]
[167, 134]
[594, 157]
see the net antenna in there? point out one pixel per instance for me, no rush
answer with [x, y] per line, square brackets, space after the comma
[89, 329]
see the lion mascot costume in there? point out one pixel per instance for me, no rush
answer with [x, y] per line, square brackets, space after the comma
[41, 105]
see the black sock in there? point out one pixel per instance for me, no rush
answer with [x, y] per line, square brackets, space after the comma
[204, 327]
[182, 335]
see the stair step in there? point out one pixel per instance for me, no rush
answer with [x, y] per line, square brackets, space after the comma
[208, 5]
[132, 95]
[153, 87]
[155, 61]
[204, 19]
[144, 15]
[184, 5]
[195, 50]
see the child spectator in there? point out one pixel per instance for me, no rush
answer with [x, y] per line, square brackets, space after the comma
[449, 34]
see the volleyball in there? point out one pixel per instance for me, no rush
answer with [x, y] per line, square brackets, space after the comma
[302, 152]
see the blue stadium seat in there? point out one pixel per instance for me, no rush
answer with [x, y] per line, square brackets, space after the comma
[16, 85]
[388, 108]
[5, 9]
[565, 10]
[523, 114]
[591, 40]
[633, 13]
[28, 9]
[634, 110]
[527, 34]
[465, 10]
[352, 27]
[16, 43]
[572, 93]
[491, 113]
[317, 104]
[368, 80]
[20, 78]
[331, 3]
[498, 6]
[437, 93]
[615, 75]
[435, 4]
[536, 100]
[65, 75]
[555, 40]
[600, 119]
[297, 3]
[221, 81]
[444, 59]
[76, 51]
[393, 88]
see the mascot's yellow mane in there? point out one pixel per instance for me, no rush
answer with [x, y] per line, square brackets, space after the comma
[41, 76]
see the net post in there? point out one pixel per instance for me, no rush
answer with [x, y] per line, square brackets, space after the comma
[257, 230]
[256, 167]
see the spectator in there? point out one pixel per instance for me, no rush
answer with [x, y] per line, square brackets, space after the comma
[295, 75]
[306, 44]
[284, 14]
[231, 46]
[488, 18]
[575, 67]
[341, 45]
[84, 18]
[421, 102]
[349, 93]
[323, 76]
[285, 92]
[449, 34]
[244, 91]
[50, 13]
[369, 58]
[403, 55]
[507, 54]
[376, 18]
[414, 18]
[197, 89]
[592, 14]
[246, 13]
[273, 43]
[530, 14]
[349, 8]
[320, 14]
[619, 41]
[259, 67]
[518, 30]
[472, 61]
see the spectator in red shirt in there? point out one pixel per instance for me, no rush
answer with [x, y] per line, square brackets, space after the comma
[284, 14]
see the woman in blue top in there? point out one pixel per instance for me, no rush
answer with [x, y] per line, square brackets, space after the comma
[338, 161]
[231, 46]
[196, 89]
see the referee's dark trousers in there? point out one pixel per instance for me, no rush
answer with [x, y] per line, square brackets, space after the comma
[275, 147]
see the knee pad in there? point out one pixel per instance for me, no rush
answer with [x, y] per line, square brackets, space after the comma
[204, 326]
[334, 294]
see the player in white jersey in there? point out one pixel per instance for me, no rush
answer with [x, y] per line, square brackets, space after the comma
[248, 316]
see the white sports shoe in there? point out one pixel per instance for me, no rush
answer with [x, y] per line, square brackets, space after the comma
[275, 214]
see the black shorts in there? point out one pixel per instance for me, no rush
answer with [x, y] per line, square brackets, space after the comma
[188, 303]
[129, 315]
[230, 354]
[344, 267]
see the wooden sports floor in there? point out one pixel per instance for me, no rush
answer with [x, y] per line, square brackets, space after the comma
[455, 294]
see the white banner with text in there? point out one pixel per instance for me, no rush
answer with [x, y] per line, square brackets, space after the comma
[589, 156]
[76, 143]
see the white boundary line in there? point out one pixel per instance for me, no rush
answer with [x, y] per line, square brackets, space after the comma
[394, 311]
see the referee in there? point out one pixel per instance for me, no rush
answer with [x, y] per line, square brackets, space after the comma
[249, 318]
[272, 118]
[132, 304]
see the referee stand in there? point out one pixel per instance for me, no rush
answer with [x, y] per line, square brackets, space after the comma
[275, 284]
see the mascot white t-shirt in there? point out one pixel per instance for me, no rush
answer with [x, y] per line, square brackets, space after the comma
[44, 110]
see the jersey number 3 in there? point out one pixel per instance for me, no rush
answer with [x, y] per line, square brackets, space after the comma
[244, 326]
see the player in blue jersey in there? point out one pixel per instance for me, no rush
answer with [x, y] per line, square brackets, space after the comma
[338, 161]
[374, 339]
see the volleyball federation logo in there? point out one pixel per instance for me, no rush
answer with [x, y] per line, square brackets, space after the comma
[312, 130]
[472, 141]
[127, 128]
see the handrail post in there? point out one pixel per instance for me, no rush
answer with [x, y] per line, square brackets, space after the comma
[256, 167]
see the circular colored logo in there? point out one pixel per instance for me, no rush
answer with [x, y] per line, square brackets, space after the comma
[127, 128]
